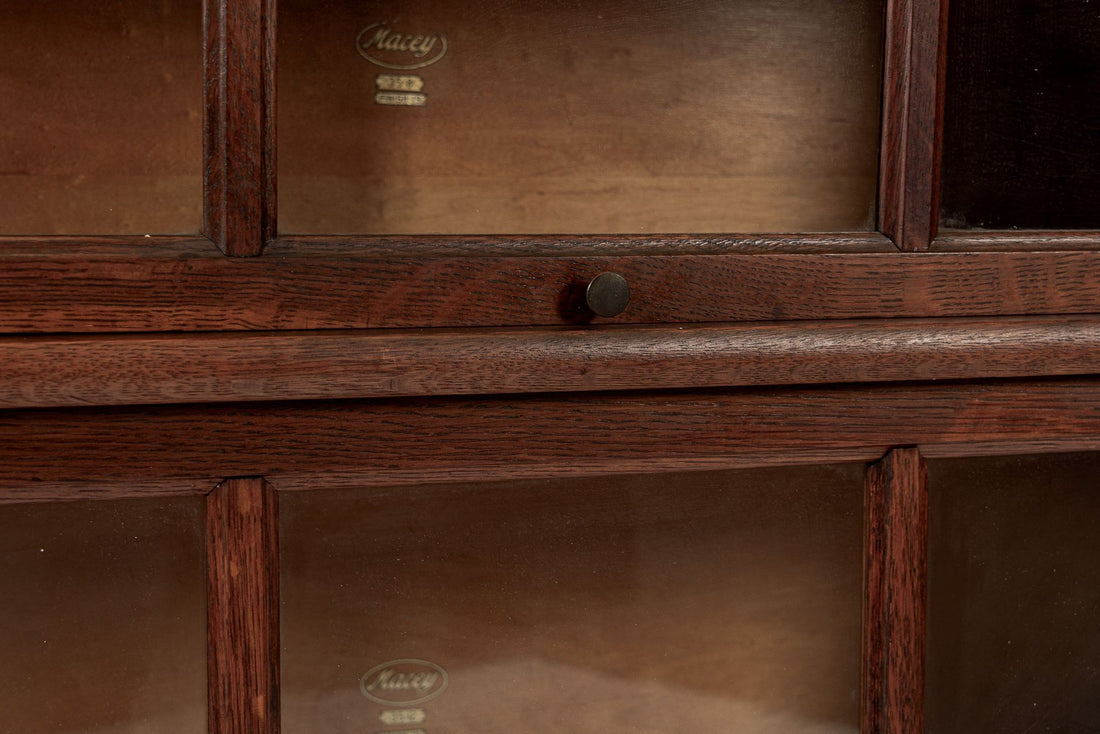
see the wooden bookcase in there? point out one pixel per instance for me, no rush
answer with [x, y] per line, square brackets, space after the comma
[242, 364]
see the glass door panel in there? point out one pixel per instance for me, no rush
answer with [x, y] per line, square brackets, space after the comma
[555, 117]
[101, 121]
[719, 601]
[103, 617]
[1014, 595]
[1022, 117]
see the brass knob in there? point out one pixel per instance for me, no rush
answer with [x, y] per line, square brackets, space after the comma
[607, 294]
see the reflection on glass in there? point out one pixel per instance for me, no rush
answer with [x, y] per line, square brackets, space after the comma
[1022, 117]
[101, 117]
[672, 603]
[607, 116]
[1014, 595]
[102, 618]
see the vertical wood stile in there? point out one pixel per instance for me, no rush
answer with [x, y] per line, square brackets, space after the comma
[242, 608]
[912, 122]
[894, 595]
[238, 127]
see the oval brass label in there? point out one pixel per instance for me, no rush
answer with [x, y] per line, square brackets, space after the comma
[403, 682]
[380, 44]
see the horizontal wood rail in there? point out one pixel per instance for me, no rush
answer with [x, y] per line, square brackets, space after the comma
[124, 452]
[200, 368]
[1014, 240]
[188, 285]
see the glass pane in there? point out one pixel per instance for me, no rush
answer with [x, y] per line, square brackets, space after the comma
[101, 120]
[103, 617]
[609, 116]
[1022, 117]
[670, 603]
[1014, 595]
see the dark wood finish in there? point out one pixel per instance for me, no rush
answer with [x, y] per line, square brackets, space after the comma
[304, 446]
[242, 549]
[564, 246]
[912, 110]
[874, 659]
[30, 488]
[269, 205]
[183, 286]
[978, 241]
[896, 581]
[109, 284]
[68, 247]
[1020, 131]
[239, 210]
[119, 370]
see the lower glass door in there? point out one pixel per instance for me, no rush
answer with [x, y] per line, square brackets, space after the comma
[1014, 594]
[103, 617]
[709, 601]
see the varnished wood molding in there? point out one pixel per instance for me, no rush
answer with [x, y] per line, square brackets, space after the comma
[1015, 241]
[238, 126]
[83, 452]
[198, 368]
[31, 488]
[895, 570]
[183, 285]
[406, 246]
[243, 608]
[916, 32]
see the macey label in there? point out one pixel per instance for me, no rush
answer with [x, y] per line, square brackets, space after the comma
[391, 47]
[404, 682]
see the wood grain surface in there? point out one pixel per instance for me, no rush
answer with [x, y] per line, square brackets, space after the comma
[912, 122]
[333, 444]
[239, 176]
[184, 286]
[1014, 240]
[896, 527]
[59, 288]
[201, 368]
[242, 550]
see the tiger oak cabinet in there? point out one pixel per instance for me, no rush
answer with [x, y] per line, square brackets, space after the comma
[312, 416]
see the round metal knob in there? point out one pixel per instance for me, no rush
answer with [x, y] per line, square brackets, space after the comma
[607, 294]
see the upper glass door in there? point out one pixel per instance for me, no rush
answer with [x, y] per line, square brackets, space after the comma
[508, 117]
[1022, 118]
[101, 122]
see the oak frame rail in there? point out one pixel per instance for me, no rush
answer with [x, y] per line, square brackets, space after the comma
[54, 454]
[895, 593]
[51, 371]
[242, 562]
[186, 286]
[912, 128]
